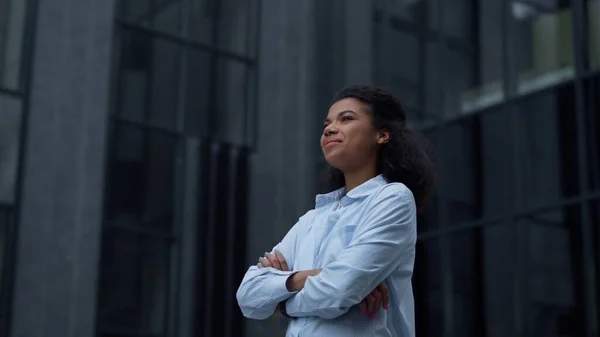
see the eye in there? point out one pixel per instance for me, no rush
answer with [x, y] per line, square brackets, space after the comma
[324, 126]
[346, 118]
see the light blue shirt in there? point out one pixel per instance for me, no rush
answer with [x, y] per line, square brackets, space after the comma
[361, 239]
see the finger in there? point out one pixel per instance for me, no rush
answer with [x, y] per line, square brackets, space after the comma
[370, 304]
[385, 294]
[264, 262]
[282, 261]
[273, 260]
[363, 308]
[378, 301]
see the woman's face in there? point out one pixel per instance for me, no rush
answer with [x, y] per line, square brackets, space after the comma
[349, 140]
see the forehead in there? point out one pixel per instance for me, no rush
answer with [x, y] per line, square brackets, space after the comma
[346, 104]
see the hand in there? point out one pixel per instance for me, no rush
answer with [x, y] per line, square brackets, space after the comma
[378, 297]
[276, 261]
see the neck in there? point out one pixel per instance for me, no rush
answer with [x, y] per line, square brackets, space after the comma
[356, 178]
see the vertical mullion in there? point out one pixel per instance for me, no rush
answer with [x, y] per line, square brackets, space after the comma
[212, 122]
[210, 260]
[253, 120]
[230, 280]
[444, 242]
[509, 87]
[580, 44]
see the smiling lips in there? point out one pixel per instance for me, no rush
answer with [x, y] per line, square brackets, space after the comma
[331, 143]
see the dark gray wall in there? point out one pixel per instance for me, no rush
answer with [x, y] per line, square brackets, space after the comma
[61, 199]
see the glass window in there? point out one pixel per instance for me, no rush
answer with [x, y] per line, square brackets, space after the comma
[592, 121]
[552, 295]
[134, 290]
[141, 178]
[148, 85]
[406, 62]
[161, 15]
[198, 91]
[465, 254]
[411, 12]
[546, 133]
[228, 25]
[427, 287]
[498, 174]
[238, 26]
[473, 56]
[515, 277]
[541, 44]
[231, 122]
[6, 238]
[459, 164]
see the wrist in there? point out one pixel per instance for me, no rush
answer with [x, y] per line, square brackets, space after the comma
[293, 282]
[297, 280]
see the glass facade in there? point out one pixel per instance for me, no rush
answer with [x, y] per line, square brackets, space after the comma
[184, 73]
[509, 246]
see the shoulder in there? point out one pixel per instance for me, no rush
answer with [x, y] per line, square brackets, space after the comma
[307, 217]
[395, 192]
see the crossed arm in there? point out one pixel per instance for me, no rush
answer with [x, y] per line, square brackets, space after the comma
[384, 241]
[369, 306]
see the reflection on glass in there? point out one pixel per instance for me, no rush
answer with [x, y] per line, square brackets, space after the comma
[235, 22]
[10, 121]
[4, 223]
[550, 291]
[543, 45]
[149, 80]
[547, 147]
[161, 15]
[515, 278]
[232, 102]
[473, 58]
[592, 91]
[465, 254]
[141, 178]
[166, 16]
[238, 26]
[407, 63]
[498, 178]
[12, 20]
[134, 285]
[6, 238]
[460, 167]
[427, 287]
[409, 11]
[197, 93]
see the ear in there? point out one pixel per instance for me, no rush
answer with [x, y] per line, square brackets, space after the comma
[383, 137]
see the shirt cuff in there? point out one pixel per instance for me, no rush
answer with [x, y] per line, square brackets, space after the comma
[278, 284]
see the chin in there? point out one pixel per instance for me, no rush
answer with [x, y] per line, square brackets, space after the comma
[336, 161]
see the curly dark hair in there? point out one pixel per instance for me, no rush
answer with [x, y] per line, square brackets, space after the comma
[406, 158]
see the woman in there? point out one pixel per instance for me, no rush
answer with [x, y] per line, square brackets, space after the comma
[353, 254]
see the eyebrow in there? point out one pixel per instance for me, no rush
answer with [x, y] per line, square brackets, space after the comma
[341, 113]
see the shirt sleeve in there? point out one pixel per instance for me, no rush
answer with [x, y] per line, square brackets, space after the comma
[263, 289]
[384, 241]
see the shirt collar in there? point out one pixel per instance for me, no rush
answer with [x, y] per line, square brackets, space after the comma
[360, 191]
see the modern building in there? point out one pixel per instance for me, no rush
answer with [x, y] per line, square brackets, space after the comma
[151, 149]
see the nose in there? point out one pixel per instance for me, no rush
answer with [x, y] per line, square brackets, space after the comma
[329, 130]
